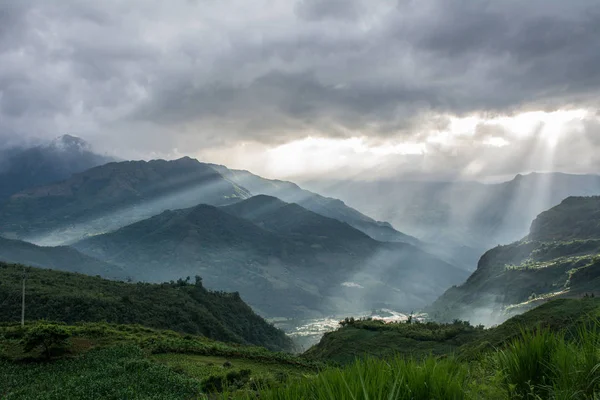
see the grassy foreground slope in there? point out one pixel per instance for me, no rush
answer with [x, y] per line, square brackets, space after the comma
[108, 361]
[181, 306]
[122, 361]
[369, 338]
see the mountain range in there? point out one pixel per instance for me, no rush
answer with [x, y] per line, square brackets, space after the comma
[288, 251]
[62, 258]
[283, 259]
[329, 207]
[111, 196]
[466, 218]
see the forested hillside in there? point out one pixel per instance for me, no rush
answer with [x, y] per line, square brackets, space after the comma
[184, 306]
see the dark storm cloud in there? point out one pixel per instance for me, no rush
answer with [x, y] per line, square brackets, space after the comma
[217, 72]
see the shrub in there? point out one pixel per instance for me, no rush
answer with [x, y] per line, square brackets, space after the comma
[49, 337]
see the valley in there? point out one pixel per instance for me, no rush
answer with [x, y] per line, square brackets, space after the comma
[184, 279]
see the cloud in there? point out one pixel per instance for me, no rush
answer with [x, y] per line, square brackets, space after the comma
[167, 78]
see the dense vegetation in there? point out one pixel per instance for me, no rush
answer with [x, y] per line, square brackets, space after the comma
[553, 353]
[184, 305]
[372, 338]
[538, 364]
[99, 360]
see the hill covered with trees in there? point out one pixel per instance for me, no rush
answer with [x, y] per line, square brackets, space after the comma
[184, 306]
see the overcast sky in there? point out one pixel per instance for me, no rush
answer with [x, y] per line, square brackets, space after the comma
[466, 89]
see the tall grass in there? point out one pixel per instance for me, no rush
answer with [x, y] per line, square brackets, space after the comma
[542, 364]
[372, 379]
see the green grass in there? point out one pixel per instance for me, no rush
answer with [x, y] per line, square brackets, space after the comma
[121, 372]
[397, 379]
[538, 364]
[366, 338]
[552, 352]
[103, 360]
[542, 364]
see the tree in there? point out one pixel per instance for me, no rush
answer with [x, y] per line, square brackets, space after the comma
[47, 336]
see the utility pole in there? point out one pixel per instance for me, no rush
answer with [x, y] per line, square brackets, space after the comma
[23, 301]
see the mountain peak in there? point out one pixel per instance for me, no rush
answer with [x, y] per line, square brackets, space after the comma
[70, 143]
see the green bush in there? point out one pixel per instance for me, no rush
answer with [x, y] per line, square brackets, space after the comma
[49, 337]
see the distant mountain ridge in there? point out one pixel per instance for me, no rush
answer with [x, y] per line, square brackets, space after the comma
[328, 207]
[23, 168]
[60, 258]
[283, 259]
[466, 217]
[559, 258]
[108, 197]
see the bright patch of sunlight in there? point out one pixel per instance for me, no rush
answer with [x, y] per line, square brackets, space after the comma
[316, 154]
[326, 154]
[496, 141]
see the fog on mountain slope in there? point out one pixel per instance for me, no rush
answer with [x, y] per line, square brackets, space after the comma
[559, 258]
[60, 258]
[329, 207]
[111, 196]
[283, 259]
[24, 168]
[468, 215]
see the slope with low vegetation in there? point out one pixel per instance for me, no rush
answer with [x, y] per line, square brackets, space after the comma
[374, 338]
[549, 353]
[184, 306]
[100, 360]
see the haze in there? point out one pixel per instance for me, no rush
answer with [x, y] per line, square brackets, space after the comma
[429, 89]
